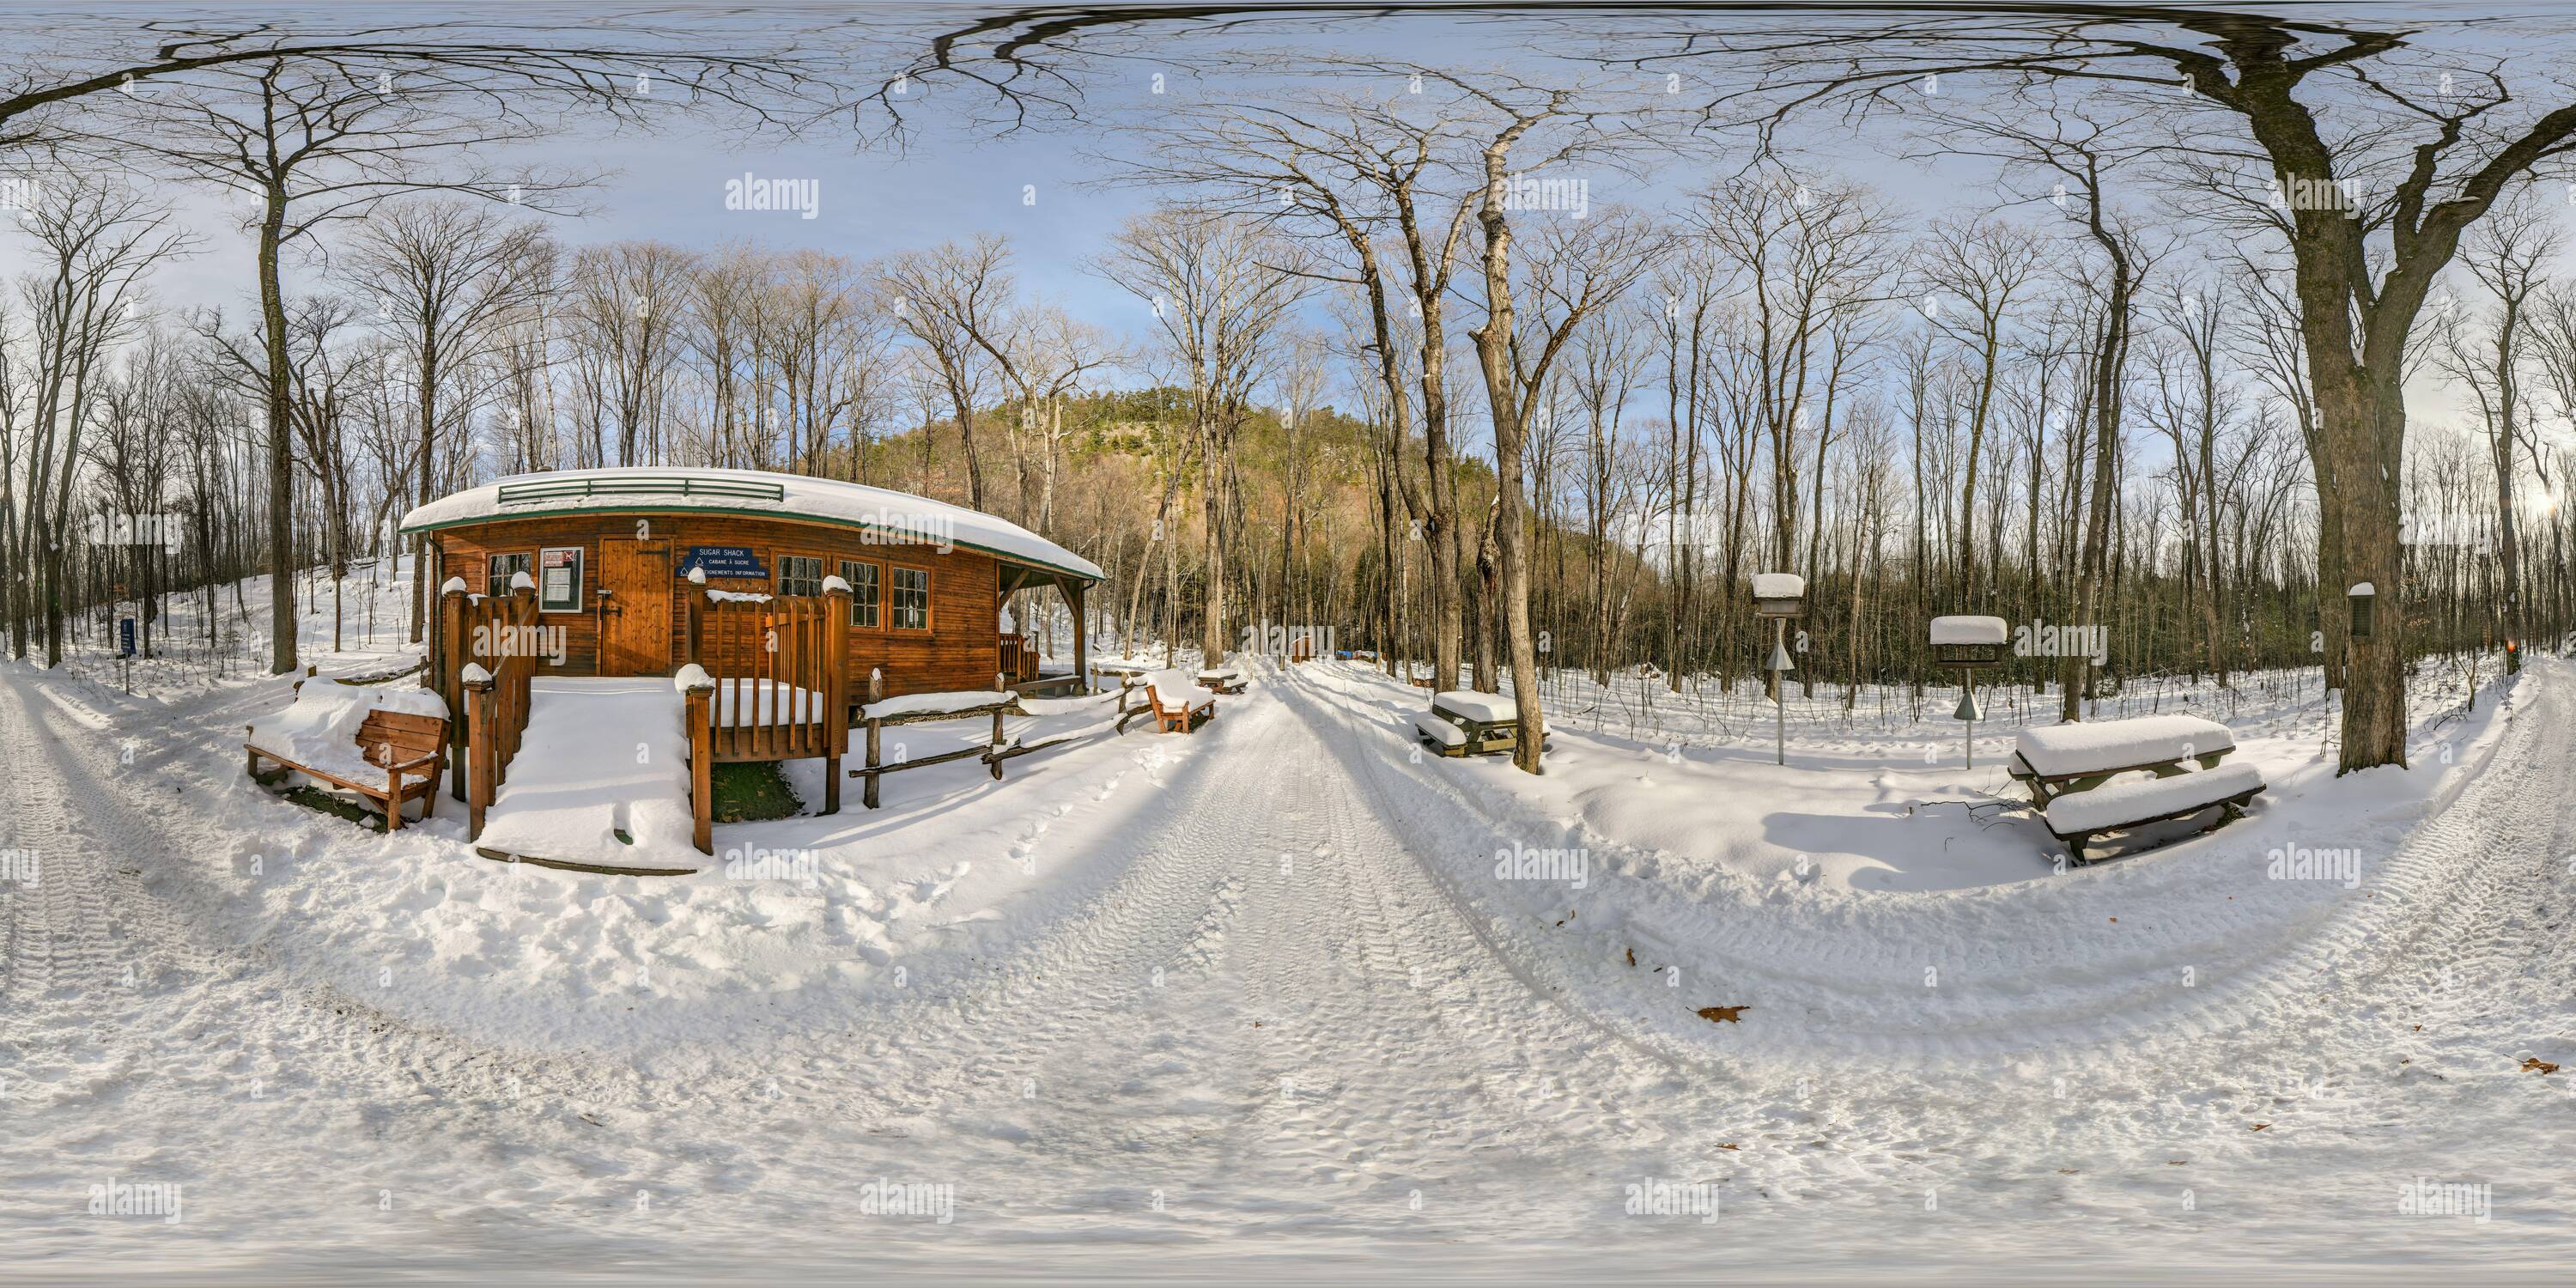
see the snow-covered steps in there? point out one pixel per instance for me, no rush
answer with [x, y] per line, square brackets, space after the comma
[600, 757]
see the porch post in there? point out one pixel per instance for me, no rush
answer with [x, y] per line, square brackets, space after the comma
[1081, 638]
[836, 691]
[449, 663]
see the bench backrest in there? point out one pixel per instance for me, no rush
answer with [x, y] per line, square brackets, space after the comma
[388, 736]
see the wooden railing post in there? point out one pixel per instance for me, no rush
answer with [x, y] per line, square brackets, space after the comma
[481, 708]
[836, 690]
[876, 694]
[697, 693]
[696, 596]
[449, 665]
[996, 753]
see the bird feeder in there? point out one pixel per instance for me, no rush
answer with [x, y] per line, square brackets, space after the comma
[1779, 594]
[2364, 599]
[1969, 642]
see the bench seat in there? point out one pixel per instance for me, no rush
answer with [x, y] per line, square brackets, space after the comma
[2077, 817]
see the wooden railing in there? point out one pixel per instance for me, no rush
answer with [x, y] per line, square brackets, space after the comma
[779, 686]
[1019, 658]
[489, 650]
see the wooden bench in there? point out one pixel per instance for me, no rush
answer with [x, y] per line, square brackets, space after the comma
[412, 750]
[2077, 817]
[1179, 713]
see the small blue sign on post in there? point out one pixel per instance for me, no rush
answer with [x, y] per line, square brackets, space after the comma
[125, 637]
[722, 561]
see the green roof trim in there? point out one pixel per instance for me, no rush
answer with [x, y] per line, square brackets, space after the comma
[473, 521]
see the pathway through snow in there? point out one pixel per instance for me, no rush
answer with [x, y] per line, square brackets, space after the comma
[1287, 1029]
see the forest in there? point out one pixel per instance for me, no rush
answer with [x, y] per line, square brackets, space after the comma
[1489, 373]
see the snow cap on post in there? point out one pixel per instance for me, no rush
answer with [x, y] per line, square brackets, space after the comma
[2362, 588]
[692, 676]
[832, 585]
[452, 586]
[1779, 594]
[1969, 641]
[520, 581]
[697, 576]
[474, 674]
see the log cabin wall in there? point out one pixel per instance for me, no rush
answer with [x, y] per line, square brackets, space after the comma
[961, 649]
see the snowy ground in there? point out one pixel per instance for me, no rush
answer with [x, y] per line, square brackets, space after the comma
[1255, 1002]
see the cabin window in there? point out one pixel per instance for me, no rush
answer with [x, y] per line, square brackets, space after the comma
[799, 575]
[501, 568]
[866, 588]
[911, 599]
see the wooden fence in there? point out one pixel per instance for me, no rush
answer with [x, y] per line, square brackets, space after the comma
[777, 689]
[499, 636]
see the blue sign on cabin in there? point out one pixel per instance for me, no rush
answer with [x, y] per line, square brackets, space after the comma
[125, 637]
[723, 561]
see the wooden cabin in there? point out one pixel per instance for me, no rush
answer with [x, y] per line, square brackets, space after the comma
[630, 563]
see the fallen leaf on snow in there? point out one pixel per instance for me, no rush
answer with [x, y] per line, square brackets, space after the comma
[1728, 1014]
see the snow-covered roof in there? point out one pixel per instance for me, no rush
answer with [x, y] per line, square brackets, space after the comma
[2363, 588]
[1778, 585]
[750, 492]
[1969, 630]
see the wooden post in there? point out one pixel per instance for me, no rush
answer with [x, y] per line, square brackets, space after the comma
[876, 694]
[1081, 639]
[452, 654]
[481, 714]
[994, 753]
[836, 692]
[702, 754]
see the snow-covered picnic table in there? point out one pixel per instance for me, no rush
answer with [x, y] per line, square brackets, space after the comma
[1224, 678]
[2076, 756]
[1463, 722]
[2070, 768]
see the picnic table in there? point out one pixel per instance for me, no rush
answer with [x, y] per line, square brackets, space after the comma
[1463, 722]
[2071, 770]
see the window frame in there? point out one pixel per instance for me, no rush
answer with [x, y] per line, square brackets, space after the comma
[875, 603]
[894, 607]
[778, 575]
[498, 583]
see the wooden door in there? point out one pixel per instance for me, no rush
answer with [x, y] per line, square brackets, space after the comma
[634, 607]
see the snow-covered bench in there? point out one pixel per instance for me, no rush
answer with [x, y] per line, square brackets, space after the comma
[2062, 758]
[388, 745]
[1467, 723]
[1169, 693]
[2077, 817]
